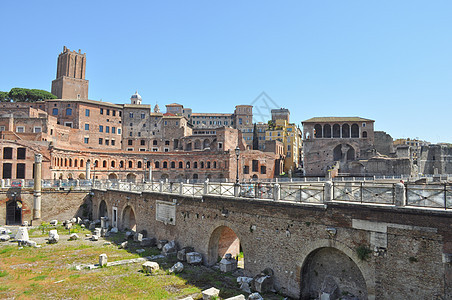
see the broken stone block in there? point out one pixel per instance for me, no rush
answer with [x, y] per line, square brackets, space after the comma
[104, 222]
[238, 297]
[129, 235]
[140, 251]
[255, 296]
[22, 234]
[4, 237]
[103, 260]
[181, 254]
[228, 263]
[194, 258]
[30, 243]
[53, 236]
[74, 220]
[148, 242]
[25, 223]
[2, 230]
[73, 237]
[124, 245]
[114, 230]
[263, 283]
[150, 267]
[211, 293]
[68, 226]
[87, 235]
[243, 279]
[79, 220]
[103, 232]
[95, 238]
[329, 288]
[92, 226]
[177, 268]
[82, 225]
[107, 243]
[169, 248]
[53, 222]
[245, 287]
[138, 237]
[97, 231]
[161, 243]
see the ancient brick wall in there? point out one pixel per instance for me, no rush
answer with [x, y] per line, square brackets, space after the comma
[406, 245]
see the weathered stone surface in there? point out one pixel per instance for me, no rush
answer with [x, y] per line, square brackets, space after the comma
[263, 283]
[211, 293]
[82, 225]
[182, 254]
[79, 220]
[140, 251]
[95, 238]
[31, 243]
[103, 260]
[129, 235]
[187, 298]
[329, 288]
[228, 264]
[97, 231]
[194, 258]
[177, 268]
[53, 222]
[148, 242]
[169, 248]
[150, 267]
[68, 226]
[138, 237]
[243, 279]
[25, 223]
[124, 245]
[22, 234]
[255, 296]
[74, 220]
[2, 230]
[161, 243]
[53, 236]
[4, 237]
[244, 286]
[73, 237]
[114, 230]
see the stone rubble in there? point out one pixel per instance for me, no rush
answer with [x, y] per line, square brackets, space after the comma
[177, 268]
[228, 263]
[73, 237]
[210, 294]
[22, 234]
[169, 249]
[53, 222]
[182, 254]
[194, 258]
[53, 236]
[103, 260]
[150, 267]
[255, 296]
[124, 245]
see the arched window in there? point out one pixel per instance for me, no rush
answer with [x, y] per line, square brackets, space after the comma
[75, 163]
[68, 111]
[345, 131]
[355, 131]
[113, 163]
[208, 165]
[104, 164]
[181, 165]
[214, 164]
[148, 164]
[327, 131]
[364, 134]
[173, 165]
[130, 164]
[197, 144]
[65, 162]
[336, 131]
[202, 165]
[195, 165]
[96, 163]
[140, 165]
[154, 142]
[121, 164]
[156, 164]
[70, 162]
[165, 164]
[318, 131]
[81, 163]
[187, 165]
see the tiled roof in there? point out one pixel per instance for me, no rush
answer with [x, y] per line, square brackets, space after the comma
[336, 119]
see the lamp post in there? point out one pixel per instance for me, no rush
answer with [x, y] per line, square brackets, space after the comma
[145, 164]
[237, 154]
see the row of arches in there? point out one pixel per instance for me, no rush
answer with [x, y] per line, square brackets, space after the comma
[80, 163]
[338, 131]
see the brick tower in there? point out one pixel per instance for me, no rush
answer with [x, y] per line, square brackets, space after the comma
[70, 80]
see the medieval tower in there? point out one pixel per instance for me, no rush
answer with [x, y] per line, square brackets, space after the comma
[70, 80]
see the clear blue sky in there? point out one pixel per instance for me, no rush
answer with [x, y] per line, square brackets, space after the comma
[390, 61]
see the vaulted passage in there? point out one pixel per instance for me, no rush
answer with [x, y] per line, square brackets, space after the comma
[328, 270]
[103, 212]
[14, 212]
[128, 219]
[222, 241]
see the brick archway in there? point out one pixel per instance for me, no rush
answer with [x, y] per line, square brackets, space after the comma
[223, 238]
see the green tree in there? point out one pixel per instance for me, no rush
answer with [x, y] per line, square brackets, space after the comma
[4, 97]
[255, 138]
[29, 95]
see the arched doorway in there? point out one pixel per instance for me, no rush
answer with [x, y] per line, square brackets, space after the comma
[128, 219]
[103, 212]
[131, 177]
[222, 241]
[14, 212]
[112, 176]
[330, 270]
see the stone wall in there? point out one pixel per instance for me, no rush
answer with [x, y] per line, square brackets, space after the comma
[59, 205]
[435, 157]
[383, 143]
[285, 237]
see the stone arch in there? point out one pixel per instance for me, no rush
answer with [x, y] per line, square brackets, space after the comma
[355, 131]
[103, 209]
[70, 176]
[350, 153]
[81, 176]
[222, 240]
[181, 165]
[14, 212]
[112, 176]
[128, 218]
[104, 164]
[70, 162]
[336, 131]
[206, 144]
[139, 164]
[164, 176]
[131, 177]
[337, 153]
[345, 131]
[317, 130]
[75, 163]
[81, 163]
[197, 145]
[113, 163]
[327, 131]
[313, 247]
[364, 134]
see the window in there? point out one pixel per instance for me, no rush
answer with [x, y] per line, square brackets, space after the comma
[108, 112]
[100, 141]
[157, 165]
[154, 142]
[119, 130]
[139, 133]
[166, 122]
[55, 111]
[86, 126]
[139, 165]
[364, 124]
[165, 165]
[113, 112]
[101, 128]
[107, 142]
[142, 149]
[173, 165]
[246, 170]
[131, 115]
[2, 128]
[21, 153]
[143, 115]
[68, 111]
[20, 129]
[130, 164]
[130, 133]
[166, 150]
[255, 165]
[181, 165]
[86, 140]
[129, 149]
[113, 130]
[101, 111]
[142, 142]
[131, 124]
[107, 129]
[86, 112]
[129, 142]
[263, 170]
[112, 142]
[37, 129]
[167, 143]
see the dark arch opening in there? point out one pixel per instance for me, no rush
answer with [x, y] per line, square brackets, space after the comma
[128, 219]
[337, 153]
[318, 131]
[327, 131]
[223, 241]
[103, 212]
[332, 268]
[345, 131]
[14, 212]
[355, 131]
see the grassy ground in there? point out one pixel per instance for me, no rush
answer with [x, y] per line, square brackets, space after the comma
[49, 272]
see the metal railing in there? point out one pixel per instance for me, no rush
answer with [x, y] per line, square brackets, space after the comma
[429, 195]
[364, 192]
